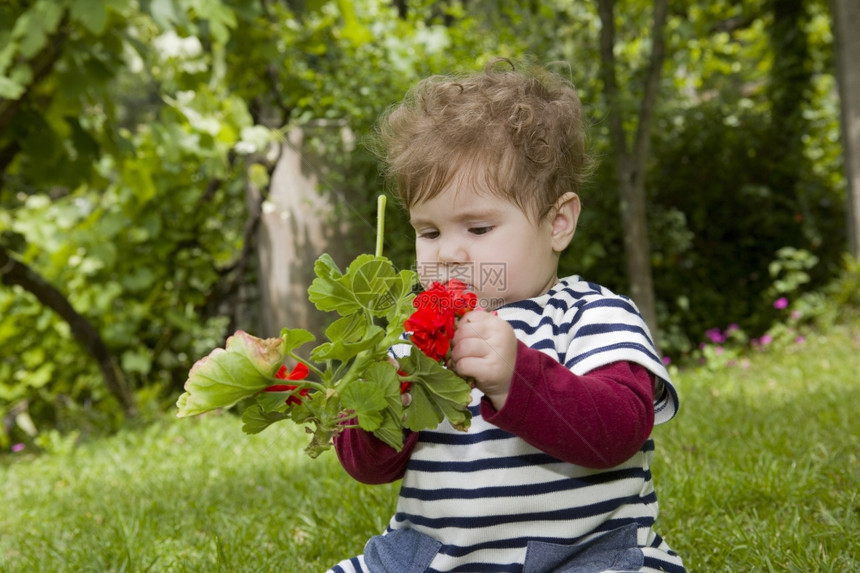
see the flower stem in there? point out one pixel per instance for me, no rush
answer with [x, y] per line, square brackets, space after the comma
[380, 223]
[312, 368]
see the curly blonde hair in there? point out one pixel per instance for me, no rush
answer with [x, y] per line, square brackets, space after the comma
[521, 132]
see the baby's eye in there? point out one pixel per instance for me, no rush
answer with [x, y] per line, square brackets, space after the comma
[427, 234]
[480, 230]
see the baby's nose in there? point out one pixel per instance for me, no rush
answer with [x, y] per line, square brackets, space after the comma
[452, 253]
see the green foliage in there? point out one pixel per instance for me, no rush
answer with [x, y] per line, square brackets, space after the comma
[123, 193]
[351, 375]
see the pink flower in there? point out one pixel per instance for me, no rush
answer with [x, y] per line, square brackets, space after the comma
[667, 360]
[780, 303]
[766, 339]
[18, 447]
[715, 336]
[800, 339]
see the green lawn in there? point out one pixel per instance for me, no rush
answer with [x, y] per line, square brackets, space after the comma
[759, 472]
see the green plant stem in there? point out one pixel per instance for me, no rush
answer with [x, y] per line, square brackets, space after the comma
[320, 374]
[360, 362]
[380, 223]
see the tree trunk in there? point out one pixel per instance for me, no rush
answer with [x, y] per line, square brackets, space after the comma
[13, 272]
[846, 23]
[631, 163]
[299, 222]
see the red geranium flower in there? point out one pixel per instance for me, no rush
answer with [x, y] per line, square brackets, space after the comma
[300, 372]
[436, 312]
[462, 301]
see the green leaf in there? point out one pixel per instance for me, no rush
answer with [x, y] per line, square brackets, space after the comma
[226, 376]
[35, 26]
[367, 399]
[255, 420]
[136, 360]
[138, 279]
[10, 90]
[220, 17]
[374, 283]
[164, 13]
[343, 350]
[272, 401]
[328, 292]
[295, 337]
[93, 14]
[353, 30]
[401, 291]
[437, 393]
[370, 283]
[347, 329]
[390, 430]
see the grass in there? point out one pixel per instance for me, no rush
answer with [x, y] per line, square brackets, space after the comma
[190, 495]
[759, 472]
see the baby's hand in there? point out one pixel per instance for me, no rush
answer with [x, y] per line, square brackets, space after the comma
[485, 349]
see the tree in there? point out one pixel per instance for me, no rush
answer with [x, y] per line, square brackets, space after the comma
[15, 273]
[631, 159]
[118, 191]
[135, 173]
[846, 22]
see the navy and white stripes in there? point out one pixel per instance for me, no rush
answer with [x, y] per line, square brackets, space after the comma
[489, 497]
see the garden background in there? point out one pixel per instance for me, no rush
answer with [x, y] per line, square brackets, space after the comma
[170, 169]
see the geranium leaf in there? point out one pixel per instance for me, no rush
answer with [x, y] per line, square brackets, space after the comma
[295, 337]
[437, 393]
[401, 292]
[342, 350]
[272, 401]
[370, 279]
[329, 291]
[367, 400]
[348, 328]
[255, 419]
[390, 430]
[244, 367]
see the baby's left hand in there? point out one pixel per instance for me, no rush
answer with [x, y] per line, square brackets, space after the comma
[485, 349]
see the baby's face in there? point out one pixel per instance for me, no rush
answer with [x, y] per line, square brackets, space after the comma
[485, 241]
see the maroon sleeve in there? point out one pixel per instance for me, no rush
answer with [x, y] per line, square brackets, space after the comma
[370, 460]
[596, 420]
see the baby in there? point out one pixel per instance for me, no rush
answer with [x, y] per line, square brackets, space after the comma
[554, 472]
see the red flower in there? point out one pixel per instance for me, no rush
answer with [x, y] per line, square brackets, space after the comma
[436, 312]
[461, 300]
[300, 372]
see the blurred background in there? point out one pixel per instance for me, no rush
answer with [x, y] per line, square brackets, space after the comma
[170, 169]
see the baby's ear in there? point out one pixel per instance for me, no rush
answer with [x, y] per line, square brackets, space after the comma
[563, 218]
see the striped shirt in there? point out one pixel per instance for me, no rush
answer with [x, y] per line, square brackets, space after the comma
[490, 500]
